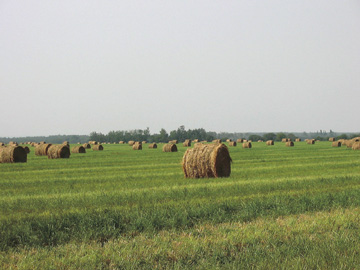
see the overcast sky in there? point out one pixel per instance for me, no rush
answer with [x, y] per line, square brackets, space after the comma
[73, 67]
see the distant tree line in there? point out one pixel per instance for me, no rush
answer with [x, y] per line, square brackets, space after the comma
[180, 134]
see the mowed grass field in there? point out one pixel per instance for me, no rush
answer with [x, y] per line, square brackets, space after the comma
[281, 208]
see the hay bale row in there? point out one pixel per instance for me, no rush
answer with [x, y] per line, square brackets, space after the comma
[78, 149]
[153, 145]
[58, 151]
[270, 142]
[170, 147]
[247, 145]
[12, 154]
[207, 160]
[98, 147]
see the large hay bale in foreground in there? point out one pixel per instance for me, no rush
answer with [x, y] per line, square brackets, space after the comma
[289, 144]
[207, 160]
[137, 146]
[153, 145]
[232, 143]
[270, 142]
[98, 147]
[336, 144]
[247, 145]
[58, 151]
[42, 149]
[78, 149]
[356, 146]
[86, 145]
[12, 154]
[170, 147]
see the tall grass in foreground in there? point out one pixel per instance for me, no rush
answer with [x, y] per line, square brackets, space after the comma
[119, 200]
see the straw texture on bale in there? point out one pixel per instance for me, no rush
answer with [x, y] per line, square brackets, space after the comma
[207, 160]
[98, 147]
[289, 144]
[12, 154]
[356, 146]
[349, 143]
[217, 141]
[170, 147]
[27, 149]
[78, 149]
[137, 146]
[232, 143]
[58, 151]
[153, 145]
[336, 144]
[270, 142]
[42, 149]
[240, 140]
[247, 145]
[86, 145]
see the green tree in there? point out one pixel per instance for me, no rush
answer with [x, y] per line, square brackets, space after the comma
[280, 136]
[269, 136]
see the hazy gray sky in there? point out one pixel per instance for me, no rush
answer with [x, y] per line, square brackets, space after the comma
[72, 67]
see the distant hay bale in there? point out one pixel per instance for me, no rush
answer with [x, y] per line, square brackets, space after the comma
[2, 144]
[131, 143]
[170, 147]
[247, 145]
[174, 141]
[207, 160]
[12, 154]
[93, 142]
[137, 146]
[289, 144]
[260, 141]
[98, 147]
[284, 140]
[66, 143]
[187, 143]
[86, 145]
[229, 140]
[143, 142]
[58, 151]
[27, 149]
[331, 139]
[153, 145]
[336, 144]
[232, 143]
[11, 143]
[240, 140]
[78, 149]
[42, 149]
[244, 140]
[310, 141]
[196, 141]
[121, 142]
[356, 146]
[297, 140]
[270, 142]
[217, 141]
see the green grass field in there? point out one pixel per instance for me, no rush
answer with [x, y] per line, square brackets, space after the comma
[281, 208]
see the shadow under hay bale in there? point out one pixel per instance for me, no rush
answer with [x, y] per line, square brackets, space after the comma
[58, 151]
[153, 145]
[78, 149]
[42, 149]
[270, 142]
[170, 148]
[207, 160]
[247, 145]
[289, 144]
[98, 147]
[12, 154]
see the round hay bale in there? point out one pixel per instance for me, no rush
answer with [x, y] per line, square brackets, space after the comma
[187, 143]
[27, 149]
[66, 143]
[58, 151]
[240, 140]
[153, 145]
[170, 147]
[349, 143]
[284, 140]
[78, 149]
[289, 144]
[121, 142]
[207, 160]
[2, 144]
[247, 145]
[98, 147]
[86, 145]
[297, 140]
[93, 142]
[144, 142]
[174, 141]
[217, 141]
[310, 141]
[42, 149]
[336, 144]
[356, 146]
[196, 141]
[232, 143]
[131, 143]
[229, 140]
[270, 142]
[137, 146]
[12, 154]
[331, 139]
